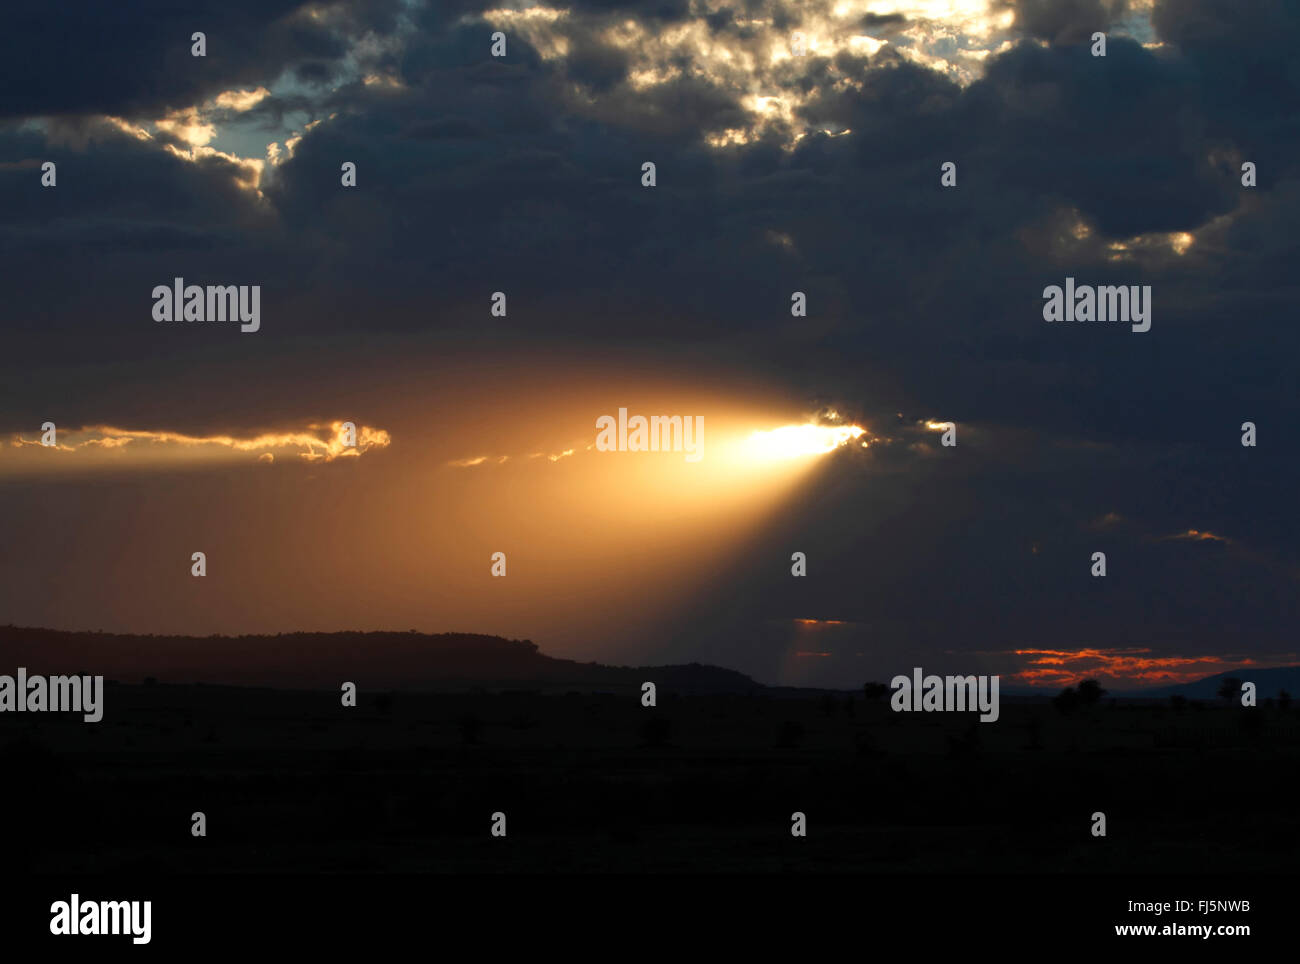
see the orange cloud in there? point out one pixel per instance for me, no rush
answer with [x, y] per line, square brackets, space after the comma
[470, 463]
[1196, 535]
[480, 460]
[1065, 667]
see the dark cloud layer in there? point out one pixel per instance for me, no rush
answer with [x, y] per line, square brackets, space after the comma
[78, 57]
[1066, 21]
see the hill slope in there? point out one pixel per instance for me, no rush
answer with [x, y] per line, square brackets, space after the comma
[1267, 683]
[389, 660]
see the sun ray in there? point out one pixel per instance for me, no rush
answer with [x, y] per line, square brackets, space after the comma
[796, 441]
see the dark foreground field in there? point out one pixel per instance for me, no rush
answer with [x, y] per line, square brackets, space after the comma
[291, 781]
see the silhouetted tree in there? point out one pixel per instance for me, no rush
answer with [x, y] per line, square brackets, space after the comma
[874, 691]
[1090, 692]
[1283, 700]
[1178, 702]
[1231, 687]
[1067, 701]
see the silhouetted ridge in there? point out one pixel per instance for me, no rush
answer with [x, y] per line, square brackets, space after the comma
[1268, 682]
[387, 660]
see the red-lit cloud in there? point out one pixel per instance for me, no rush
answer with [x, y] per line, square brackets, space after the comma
[1134, 666]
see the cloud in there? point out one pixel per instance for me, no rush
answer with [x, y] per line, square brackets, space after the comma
[141, 64]
[1196, 535]
[1066, 21]
[312, 443]
[241, 100]
[477, 460]
[1065, 667]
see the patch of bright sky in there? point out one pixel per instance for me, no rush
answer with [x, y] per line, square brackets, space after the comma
[248, 127]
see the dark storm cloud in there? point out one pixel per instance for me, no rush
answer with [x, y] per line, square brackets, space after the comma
[1066, 21]
[79, 258]
[598, 66]
[83, 58]
[484, 171]
[883, 24]
[1247, 74]
[651, 10]
[1127, 147]
[481, 175]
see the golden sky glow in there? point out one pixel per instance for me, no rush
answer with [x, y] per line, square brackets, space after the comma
[604, 548]
[797, 441]
[760, 445]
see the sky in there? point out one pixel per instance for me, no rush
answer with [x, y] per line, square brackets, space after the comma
[775, 173]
